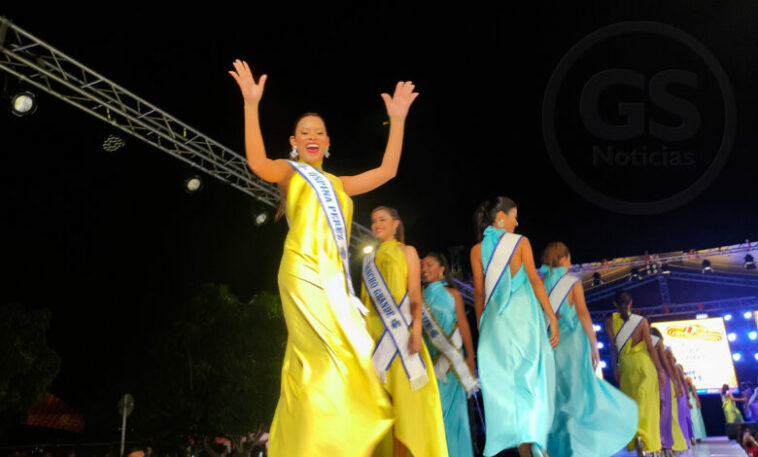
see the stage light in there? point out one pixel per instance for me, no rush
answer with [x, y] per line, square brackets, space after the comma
[193, 184]
[755, 356]
[707, 266]
[737, 356]
[665, 270]
[747, 314]
[749, 262]
[727, 317]
[113, 143]
[600, 345]
[602, 364]
[261, 218]
[634, 275]
[597, 328]
[732, 336]
[368, 249]
[701, 316]
[23, 104]
[596, 279]
[752, 335]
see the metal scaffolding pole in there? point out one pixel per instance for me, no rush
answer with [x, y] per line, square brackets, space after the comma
[48, 69]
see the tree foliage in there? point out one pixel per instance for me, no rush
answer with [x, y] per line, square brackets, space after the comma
[216, 369]
[27, 365]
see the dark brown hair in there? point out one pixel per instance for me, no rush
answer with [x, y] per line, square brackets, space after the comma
[400, 233]
[485, 213]
[621, 301]
[553, 253]
[442, 260]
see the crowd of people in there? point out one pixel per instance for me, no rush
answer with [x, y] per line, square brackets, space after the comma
[388, 374]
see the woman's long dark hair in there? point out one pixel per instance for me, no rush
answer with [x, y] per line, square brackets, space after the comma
[621, 302]
[400, 233]
[439, 257]
[485, 213]
[656, 332]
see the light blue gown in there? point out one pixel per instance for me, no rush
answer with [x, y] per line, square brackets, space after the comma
[452, 396]
[592, 418]
[516, 362]
[698, 426]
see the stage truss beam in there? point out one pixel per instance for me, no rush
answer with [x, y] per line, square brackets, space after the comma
[38, 64]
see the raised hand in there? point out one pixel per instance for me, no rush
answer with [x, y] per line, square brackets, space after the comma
[400, 102]
[251, 91]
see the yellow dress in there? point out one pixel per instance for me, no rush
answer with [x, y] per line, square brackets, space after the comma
[638, 378]
[418, 423]
[331, 402]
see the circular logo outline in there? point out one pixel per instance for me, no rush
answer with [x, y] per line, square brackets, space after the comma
[588, 192]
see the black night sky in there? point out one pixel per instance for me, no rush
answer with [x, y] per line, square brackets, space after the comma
[109, 241]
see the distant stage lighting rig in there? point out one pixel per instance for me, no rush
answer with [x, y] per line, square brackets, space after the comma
[635, 275]
[260, 218]
[749, 262]
[113, 143]
[596, 279]
[707, 266]
[193, 185]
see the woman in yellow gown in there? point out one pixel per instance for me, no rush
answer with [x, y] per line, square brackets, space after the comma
[638, 372]
[419, 426]
[331, 402]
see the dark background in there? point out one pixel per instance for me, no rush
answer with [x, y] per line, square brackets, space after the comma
[111, 241]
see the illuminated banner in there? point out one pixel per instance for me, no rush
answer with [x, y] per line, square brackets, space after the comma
[702, 348]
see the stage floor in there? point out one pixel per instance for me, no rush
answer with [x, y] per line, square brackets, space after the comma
[711, 446]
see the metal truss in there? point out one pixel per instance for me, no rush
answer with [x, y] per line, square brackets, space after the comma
[48, 69]
[711, 306]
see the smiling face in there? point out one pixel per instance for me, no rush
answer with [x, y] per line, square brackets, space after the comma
[310, 138]
[431, 270]
[383, 225]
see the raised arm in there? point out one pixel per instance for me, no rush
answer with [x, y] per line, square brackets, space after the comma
[527, 257]
[460, 316]
[417, 299]
[397, 110]
[577, 294]
[268, 170]
[477, 273]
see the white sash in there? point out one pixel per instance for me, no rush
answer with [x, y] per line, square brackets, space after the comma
[655, 340]
[330, 204]
[498, 264]
[560, 291]
[450, 355]
[396, 320]
[627, 329]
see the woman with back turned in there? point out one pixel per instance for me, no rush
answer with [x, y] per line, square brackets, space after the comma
[515, 354]
[592, 418]
[637, 370]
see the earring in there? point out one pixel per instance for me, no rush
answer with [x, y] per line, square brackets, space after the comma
[293, 153]
[326, 152]
[500, 223]
[441, 276]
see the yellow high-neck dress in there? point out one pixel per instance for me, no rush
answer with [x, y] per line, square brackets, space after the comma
[331, 403]
[418, 415]
[638, 378]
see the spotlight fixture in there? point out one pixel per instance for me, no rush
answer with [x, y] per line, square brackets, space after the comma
[600, 345]
[634, 275]
[665, 270]
[755, 356]
[113, 143]
[749, 262]
[260, 218]
[368, 249]
[747, 315]
[23, 104]
[752, 335]
[193, 184]
[707, 266]
[701, 316]
[602, 364]
[737, 356]
[596, 327]
[731, 336]
[727, 317]
[596, 279]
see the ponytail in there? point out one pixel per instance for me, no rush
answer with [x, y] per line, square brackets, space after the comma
[621, 302]
[485, 213]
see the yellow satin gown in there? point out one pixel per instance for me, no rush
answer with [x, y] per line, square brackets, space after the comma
[638, 378]
[331, 403]
[418, 415]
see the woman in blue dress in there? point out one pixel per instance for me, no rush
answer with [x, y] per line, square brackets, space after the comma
[516, 360]
[698, 426]
[592, 418]
[446, 305]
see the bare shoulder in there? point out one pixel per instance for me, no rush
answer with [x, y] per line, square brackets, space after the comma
[454, 292]
[409, 250]
[476, 250]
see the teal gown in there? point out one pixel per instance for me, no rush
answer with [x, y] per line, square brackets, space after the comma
[592, 418]
[698, 426]
[516, 362]
[452, 395]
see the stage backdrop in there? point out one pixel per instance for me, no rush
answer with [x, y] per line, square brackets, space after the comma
[701, 346]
